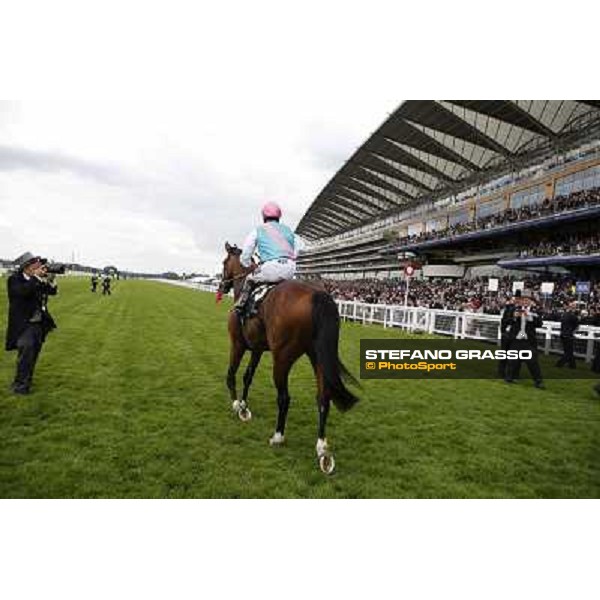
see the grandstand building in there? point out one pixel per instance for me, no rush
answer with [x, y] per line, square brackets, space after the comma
[463, 188]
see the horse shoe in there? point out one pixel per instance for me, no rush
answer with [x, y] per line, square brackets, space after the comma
[327, 463]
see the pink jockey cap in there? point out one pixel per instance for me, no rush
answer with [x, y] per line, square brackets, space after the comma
[271, 209]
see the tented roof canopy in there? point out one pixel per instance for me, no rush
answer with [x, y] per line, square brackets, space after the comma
[430, 148]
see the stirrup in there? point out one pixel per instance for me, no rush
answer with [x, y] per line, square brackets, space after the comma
[240, 307]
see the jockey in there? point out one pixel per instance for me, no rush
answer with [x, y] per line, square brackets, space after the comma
[277, 248]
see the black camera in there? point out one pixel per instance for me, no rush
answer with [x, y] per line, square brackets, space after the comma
[56, 268]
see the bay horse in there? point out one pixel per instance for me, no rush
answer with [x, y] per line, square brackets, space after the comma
[295, 319]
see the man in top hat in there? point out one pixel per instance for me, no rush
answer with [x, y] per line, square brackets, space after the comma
[28, 318]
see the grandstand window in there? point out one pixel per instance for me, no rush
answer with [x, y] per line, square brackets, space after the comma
[529, 197]
[461, 216]
[582, 180]
[435, 225]
[486, 209]
[415, 228]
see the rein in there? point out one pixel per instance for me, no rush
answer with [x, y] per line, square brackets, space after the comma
[240, 276]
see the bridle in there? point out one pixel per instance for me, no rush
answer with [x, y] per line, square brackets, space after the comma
[240, 276]
[230, 281]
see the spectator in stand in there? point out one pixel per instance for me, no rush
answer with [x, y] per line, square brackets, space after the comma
[466, 294]
[564, 245]
[549, 206]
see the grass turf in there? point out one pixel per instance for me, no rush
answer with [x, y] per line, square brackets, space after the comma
[130, 401]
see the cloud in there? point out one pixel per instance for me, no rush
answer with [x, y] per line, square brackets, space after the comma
[159, 175]
[15, 158]
[328, 145]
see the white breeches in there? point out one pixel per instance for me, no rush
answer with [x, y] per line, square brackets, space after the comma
[274, 270]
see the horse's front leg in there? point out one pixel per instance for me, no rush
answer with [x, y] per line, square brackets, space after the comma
[236, 354]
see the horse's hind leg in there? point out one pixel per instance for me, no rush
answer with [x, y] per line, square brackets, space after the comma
[281, 370]
[249, 373]
[325, 458]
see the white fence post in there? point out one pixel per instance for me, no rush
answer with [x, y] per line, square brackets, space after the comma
[589, 349]
[547, 340]
[457, 326]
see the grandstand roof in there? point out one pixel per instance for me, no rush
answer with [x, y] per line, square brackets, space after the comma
[429, 149]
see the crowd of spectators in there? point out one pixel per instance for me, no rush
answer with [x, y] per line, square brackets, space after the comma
[564, 244]
[467, 294]
[581, 199]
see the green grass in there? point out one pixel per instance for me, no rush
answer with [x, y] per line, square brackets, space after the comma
[130, 401]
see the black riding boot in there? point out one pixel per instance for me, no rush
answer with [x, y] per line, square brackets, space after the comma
[247, 288]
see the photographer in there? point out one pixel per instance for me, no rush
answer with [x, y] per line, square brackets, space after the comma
[522, 334]
[28, 318]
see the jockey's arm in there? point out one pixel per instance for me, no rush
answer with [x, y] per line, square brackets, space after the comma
[298, 245]
[248, 249]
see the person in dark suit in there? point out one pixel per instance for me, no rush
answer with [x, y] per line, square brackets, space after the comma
[94, 282]
[569, 323]
[29, 321]
[106, 286]
[523, 336]
[506, 323]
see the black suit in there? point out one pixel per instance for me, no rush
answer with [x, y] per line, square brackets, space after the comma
[106, 286]
[506, 323]
[28, 323]
[568, 324]
[528, 343]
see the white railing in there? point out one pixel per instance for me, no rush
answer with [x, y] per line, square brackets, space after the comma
[202, 287]
[462, 325]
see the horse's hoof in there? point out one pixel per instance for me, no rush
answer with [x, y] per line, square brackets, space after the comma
[277, 439]
[327, 464]
[235, 406]
[244, 414]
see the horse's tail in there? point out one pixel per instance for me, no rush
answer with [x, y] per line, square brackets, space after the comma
[326, 333]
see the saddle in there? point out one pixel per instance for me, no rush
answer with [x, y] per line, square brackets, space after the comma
[258, 294]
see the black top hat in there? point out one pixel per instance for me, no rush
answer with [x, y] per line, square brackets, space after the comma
[27, 259]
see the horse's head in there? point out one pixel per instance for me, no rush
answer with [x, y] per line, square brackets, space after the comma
[232, 267]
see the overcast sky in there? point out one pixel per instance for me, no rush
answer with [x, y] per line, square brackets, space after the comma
[145, 135]
[226, 111]
[154, 187]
